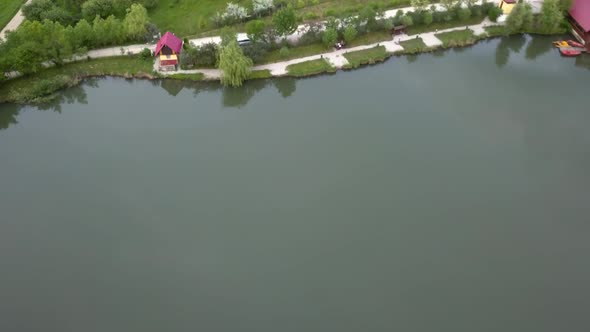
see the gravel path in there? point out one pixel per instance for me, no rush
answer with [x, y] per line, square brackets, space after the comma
[15, 22]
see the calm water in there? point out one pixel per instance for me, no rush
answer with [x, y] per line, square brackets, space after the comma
[444, 192]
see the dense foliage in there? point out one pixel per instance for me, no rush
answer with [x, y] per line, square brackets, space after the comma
[37, 43]
[234, 65]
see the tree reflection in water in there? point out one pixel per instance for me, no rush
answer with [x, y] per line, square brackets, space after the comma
[285, 85]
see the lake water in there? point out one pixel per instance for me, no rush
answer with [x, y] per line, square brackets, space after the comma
[443, 192]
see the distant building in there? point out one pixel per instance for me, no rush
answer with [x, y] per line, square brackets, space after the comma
[167, 51]
[580, 20]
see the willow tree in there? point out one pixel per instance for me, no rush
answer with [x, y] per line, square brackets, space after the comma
[234, 65]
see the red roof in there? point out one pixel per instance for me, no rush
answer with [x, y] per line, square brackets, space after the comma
[580, 11]
[170, 40]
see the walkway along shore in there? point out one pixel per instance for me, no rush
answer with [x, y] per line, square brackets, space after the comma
[337, 59]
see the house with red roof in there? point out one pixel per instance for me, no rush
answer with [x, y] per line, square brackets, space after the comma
[167, 51]
[580, 19]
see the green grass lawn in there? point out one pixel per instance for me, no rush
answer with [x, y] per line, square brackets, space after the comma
[457, 38]
[368, 56]
[187, 77]
[370, 38]
[494, 31]
[413, 45]
[309, 68]
[295, 52]
[27, 88]
[258, 74]
[413, 30]
[8, 8]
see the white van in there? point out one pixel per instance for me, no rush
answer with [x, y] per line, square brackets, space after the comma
[243, 39]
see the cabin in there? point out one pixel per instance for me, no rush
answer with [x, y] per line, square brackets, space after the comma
[507, 6]
[579, 17]
[167, 51]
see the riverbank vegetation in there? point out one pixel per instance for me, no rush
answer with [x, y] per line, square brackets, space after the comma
[310, 68]
[42, 85]
[413, 46]
[8, 8]
[366, 57]
[457, 38]
[36, 44]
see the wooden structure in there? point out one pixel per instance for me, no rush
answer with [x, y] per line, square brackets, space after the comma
[398, 30]
[580, 20]
[167, 51]
[507, 6]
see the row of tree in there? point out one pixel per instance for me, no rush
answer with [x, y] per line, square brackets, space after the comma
[551, 19]
[68, 12]
[35, 43]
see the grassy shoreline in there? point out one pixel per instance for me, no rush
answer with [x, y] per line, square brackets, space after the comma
[44, 85]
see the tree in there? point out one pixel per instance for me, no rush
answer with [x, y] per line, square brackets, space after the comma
[449, 4]
[420, 5]
[260, 7]
[102, 8]
[330, 37]
[285, 22]
[83, 34]
[520, 18]
[407, 21]
[36, 9]
[350, 33]
[463, 14]
[255, 30]
[427, 18]
[565, 5]
[234, 65]
[135, 22]
[58, 14]
[551, 16]
[368, 16]
[234, 13]
[494, 13]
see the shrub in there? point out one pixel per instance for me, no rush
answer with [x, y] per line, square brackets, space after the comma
[284, 52]
[311, 16]
[145, 54]
[407, 21]
[330, 37]
[463, 14]
[312, 35]
[350, 33]
[494, 13]
[255, 51]
[427, 18]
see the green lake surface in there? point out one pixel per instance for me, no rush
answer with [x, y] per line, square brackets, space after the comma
[443, 192]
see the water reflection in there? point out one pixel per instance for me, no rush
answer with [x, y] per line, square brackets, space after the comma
[286, 86]
[8, 115]
[537, 47]
[502, 52]
[173, 87]
[232, 97]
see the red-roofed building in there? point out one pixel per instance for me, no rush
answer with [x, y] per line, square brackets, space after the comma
[167, 50]
[580, 20]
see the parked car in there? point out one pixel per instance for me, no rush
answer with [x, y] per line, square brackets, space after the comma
[243, 39]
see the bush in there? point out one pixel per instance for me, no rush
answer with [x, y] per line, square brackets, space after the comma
[284, 52]
[145, 54]
[494, 13]
[255, 51]
[330, 37]
[312, 35]
[464, 14]
[427, 18]
[407, 21]
[350, 34]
